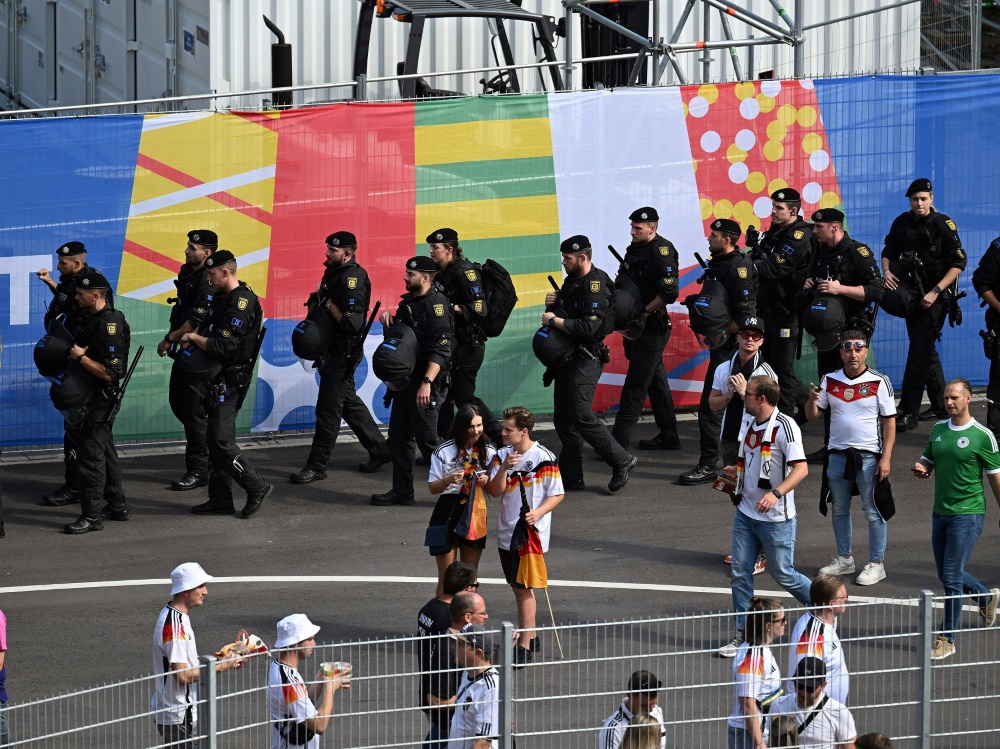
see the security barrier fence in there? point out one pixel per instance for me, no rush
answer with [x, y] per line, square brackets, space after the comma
[575, 682]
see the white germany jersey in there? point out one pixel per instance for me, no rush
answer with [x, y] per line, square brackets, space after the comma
[538, 469]
[785, 448]
[855, 406]
[723, 372]
[173, 642]
[613, 731]
[814, 637]
[832, 727]
[288, 704]
[477, 710]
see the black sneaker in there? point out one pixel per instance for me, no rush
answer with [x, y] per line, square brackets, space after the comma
[698, 475]
[255, 500]
[392, 498]
[522, 656]
[115, 512]
[62, 496]
[620, 476]
[189, 481]
[905, 422]
[307, 476]
[84, 525]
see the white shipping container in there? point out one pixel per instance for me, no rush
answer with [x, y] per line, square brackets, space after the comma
[66, 52]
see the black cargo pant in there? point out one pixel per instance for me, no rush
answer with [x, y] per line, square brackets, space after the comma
[413, 428]
[188, 406]
[709, 421]
[96, 461]
[227, 463]
[646, 375]
[574, 384]
[338, 399]
[923, 366]
[466, 361]
[779, 349]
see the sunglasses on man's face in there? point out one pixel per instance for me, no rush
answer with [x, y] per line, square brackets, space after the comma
[751, 336]
[855, 345]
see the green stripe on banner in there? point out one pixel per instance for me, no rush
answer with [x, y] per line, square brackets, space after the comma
[538, 253]
[485, 180]
[511, 375]
[452, 111]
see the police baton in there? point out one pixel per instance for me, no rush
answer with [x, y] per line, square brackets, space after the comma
[619, 258]
[360, 353]
[253, 363]
[703, 264]
[117, 404]
[554, 284]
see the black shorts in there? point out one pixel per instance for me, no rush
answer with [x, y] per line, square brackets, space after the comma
[510, 561]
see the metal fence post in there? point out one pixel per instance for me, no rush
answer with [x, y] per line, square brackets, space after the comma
[800, 40]
[507, 687]
[208, 722]
[924, 679]
[361, 89]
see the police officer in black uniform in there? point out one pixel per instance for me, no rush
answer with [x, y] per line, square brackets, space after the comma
[651, 262]
[986, 281]
[413, 419]
[928, 250]
[72, 260]
[217, 364]
[344, 295]
[582, 309]
[783, 257]
[85, 393]
[460, 281]
[735, 271]
[194, 295]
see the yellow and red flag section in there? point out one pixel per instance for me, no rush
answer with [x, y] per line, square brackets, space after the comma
[198, 171]
[531, 570]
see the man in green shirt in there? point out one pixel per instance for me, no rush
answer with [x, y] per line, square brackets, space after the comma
[960, 449]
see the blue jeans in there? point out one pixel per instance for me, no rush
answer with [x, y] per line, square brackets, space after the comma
[740, 738]
[953, 538]
[778, 542]
[840, 493]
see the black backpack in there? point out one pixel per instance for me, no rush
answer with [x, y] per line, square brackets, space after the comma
[501, 297]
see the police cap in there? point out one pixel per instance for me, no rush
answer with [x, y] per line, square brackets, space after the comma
[342, 239]
[919, 185]
[753, 323]
[422, 263]
[220, 258]
[71, 248]
[204, 237]
[90, 279]
[786, 194]
[726, 226]
[646, 214]
[828, 216]
[576, 243]
[442, 235]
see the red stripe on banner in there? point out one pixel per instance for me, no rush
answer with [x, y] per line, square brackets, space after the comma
[151, 256]
[186, 180]
[342, 168]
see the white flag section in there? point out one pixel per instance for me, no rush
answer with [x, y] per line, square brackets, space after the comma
[615, 151]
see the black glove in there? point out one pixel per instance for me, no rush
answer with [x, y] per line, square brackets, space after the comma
[547, 378]
[753, 236]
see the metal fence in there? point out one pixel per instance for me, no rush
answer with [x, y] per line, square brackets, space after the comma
[951, 34]
[563, 697]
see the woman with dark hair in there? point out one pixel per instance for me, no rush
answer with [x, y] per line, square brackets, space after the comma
[460, 469]
[756, 676]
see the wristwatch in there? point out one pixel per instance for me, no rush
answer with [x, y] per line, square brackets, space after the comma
[938, 290]
[428, 380]
[777, 494]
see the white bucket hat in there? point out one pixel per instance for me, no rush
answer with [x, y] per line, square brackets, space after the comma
[187, 576]
[294, 629]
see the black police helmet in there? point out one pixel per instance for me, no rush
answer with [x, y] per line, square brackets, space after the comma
[552, 346]
[823, 320]
[311, 338]
[396, 357]
[628, 307]
[51, 353]
[709, 314]
[900, 301]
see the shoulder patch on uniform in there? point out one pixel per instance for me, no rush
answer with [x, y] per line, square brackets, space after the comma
[668, 281]
[226, 332]
[595, 286]
[243, 303]
[478, 306]
[741, 272]
[950, 224]
[958, 251]
[779, 259]
[864, 251]
[593, 317]
[471, 275]
[112, 328]
[199, 310]
[352, 282]
[664, 251]
[798, 234]
[439, 310]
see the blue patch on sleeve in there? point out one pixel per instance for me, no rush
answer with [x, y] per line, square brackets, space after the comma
[236, 322]
[351, 300]
[788, 249]
[477, 290]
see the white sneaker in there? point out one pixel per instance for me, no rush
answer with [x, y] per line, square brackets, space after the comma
[729, 649]
[839, 566]
[871, 574]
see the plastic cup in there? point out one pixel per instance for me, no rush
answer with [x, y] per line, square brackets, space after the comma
[332, 668]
